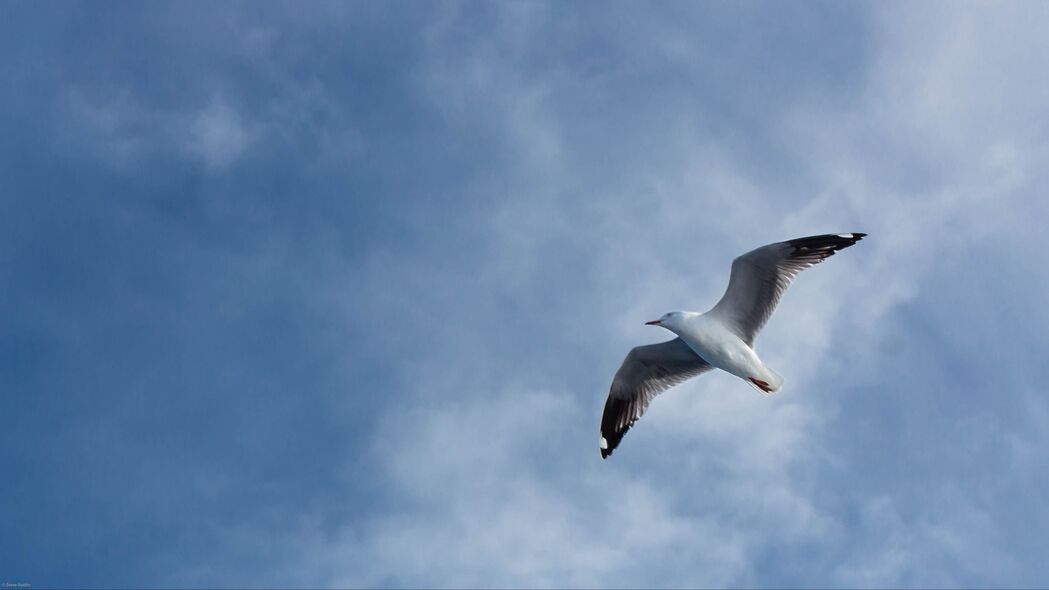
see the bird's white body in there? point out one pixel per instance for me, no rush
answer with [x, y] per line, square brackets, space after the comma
[717, 344]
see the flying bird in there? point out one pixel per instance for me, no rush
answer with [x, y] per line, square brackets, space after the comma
[722, 338]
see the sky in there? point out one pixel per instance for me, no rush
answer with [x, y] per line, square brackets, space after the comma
[331, 294]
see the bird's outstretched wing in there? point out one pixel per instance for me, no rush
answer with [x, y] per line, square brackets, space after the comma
[645, 372]
[761, 276]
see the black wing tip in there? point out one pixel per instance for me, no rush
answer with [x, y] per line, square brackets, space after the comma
[608, 444]
[610, 440]
[613, 427]
[828, 243]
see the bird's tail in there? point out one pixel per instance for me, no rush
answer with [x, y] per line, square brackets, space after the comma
[768, 383]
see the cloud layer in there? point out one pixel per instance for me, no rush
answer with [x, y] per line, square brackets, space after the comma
[333, 297]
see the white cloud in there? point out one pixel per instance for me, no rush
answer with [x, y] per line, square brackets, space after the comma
[478, 507]
[951, 547]
[118, 129]
[217, 135]
[496, 481]
[121, 130]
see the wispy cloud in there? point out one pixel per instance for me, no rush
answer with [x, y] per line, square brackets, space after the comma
[765, 475]
[217, 135]
[368, 342]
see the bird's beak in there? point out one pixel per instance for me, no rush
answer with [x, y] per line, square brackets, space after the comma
[652, 323]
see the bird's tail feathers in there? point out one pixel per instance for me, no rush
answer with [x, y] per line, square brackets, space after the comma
[768, 383]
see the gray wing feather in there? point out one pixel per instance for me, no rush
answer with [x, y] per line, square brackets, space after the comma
[760, 277]
[645, 372]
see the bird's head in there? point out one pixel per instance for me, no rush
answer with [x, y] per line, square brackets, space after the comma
[672, 321]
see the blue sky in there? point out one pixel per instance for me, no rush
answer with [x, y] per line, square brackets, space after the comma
[331, 294]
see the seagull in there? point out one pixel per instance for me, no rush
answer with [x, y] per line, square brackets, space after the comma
[722, 338]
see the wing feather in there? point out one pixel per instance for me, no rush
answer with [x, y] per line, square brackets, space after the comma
[646, 372]
[760, 277]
